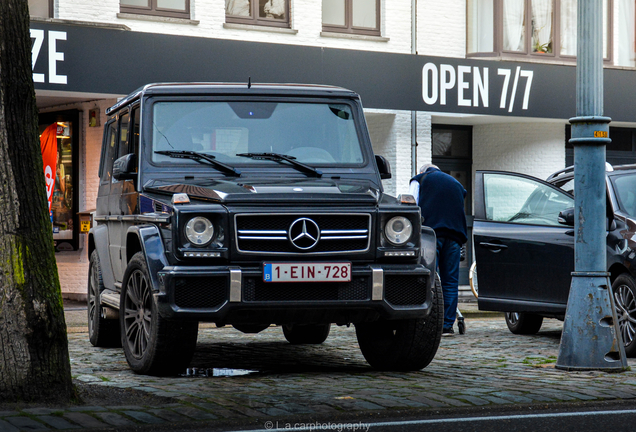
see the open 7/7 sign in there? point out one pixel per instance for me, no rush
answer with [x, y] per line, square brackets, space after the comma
[472, 85]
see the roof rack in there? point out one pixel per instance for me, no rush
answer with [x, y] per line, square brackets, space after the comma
[608, 168]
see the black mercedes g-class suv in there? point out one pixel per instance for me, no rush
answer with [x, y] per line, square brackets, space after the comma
[252, 205]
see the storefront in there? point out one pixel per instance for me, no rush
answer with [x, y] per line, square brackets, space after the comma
[469, 113]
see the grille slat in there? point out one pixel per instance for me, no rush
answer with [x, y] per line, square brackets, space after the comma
[268, 233]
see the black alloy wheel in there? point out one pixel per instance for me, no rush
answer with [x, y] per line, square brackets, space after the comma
[523, 323]
[624, 290]
[152, 344]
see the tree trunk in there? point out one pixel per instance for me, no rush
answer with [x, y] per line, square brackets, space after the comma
[34, 361]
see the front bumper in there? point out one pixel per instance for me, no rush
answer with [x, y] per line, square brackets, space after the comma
[238, 295]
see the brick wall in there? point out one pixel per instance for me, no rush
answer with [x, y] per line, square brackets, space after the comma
[520, 147]
[441, 28]
[390, 133]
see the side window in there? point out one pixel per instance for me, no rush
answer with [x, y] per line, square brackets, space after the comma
[124, 120]
[524, 201]
[108, 153]
[134, 135]
[567, 185]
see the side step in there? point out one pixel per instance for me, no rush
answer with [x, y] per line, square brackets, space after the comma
[110, 298]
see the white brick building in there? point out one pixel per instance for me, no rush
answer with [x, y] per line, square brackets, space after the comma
[470, 116]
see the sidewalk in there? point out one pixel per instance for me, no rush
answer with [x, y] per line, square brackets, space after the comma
[256, 378]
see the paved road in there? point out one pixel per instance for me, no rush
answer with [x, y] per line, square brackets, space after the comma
[486, 368]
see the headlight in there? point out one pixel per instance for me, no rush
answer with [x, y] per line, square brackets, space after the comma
[199, 231]
[398, 230]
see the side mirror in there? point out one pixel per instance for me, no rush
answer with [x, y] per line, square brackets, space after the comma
[383, 166]
[566, 217]
[125, 168]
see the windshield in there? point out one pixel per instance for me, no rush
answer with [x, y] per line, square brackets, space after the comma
[318, 134]
[625, 187]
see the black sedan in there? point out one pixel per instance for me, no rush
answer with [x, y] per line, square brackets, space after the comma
[524, 246]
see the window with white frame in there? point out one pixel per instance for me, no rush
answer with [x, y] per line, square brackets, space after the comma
[274, 13]
[544, 29]
[351, 16]
[167, 8]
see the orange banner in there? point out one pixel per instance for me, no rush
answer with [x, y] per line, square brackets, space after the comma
[48, 145]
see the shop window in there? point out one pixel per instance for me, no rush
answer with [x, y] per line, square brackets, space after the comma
[349, 16]
[543, 29]
[64, 203]
[167, 8]
[273, 13]
[41, 8]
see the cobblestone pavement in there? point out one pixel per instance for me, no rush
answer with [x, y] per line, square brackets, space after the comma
[486, 366]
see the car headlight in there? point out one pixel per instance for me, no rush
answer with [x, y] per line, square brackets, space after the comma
[398, 230]
[199, 231]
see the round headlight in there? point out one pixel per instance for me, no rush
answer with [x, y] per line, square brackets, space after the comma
[398, 230]
[199, 231]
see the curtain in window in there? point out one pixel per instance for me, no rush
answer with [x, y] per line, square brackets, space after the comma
[480, 22]
[568, 27]
[513, 23]
[274, 9]
[626, 44]
[237, 7]
[542, 26]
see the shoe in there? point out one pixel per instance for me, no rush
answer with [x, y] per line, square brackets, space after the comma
[448, 331]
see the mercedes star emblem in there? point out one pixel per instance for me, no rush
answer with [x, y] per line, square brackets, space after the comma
[304, 233]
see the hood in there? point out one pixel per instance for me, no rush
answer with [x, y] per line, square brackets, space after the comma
[344, 191]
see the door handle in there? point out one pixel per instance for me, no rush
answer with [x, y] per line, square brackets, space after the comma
[495, 247]
[569, 232]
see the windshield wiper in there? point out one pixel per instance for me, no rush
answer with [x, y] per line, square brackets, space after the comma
[277, 157]
[200, 157]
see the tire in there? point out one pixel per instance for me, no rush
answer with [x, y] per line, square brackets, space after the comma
[523, 323]
[103, 333]
[403, 345]
[152, 344]
[472, 279]
[313, 334]
[624, 291]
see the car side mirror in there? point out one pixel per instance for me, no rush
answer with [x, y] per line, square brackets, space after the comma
[566, 217]
[383, 166]
[125, 168]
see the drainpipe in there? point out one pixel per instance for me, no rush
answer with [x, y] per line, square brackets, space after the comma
[590, 338]
[413, 113]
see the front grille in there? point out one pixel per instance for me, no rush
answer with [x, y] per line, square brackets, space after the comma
[200, 293]
[405, 290]
[269, 233]
[255, 290]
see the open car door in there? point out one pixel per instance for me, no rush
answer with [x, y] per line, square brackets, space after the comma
[524, 255]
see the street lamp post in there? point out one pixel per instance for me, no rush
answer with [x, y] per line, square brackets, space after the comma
[590, 338]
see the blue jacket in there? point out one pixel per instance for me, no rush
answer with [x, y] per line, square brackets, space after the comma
[442, 202]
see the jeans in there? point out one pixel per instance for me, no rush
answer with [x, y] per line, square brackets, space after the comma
[448, 256]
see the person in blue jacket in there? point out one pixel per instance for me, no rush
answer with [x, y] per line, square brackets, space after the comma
[441, 198]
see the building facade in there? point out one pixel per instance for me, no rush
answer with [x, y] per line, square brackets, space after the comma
[466, 84]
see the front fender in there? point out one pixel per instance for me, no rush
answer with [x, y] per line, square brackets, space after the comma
[428, 252]
[153, 249]
[98, 236]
